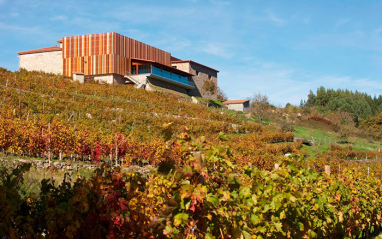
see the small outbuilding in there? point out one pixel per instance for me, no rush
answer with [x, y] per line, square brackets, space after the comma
[238, 105]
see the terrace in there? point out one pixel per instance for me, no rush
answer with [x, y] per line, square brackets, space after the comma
[163, 73]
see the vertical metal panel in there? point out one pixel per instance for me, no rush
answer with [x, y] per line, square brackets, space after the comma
[106, 53]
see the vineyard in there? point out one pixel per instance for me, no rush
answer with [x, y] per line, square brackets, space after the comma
[214, 177]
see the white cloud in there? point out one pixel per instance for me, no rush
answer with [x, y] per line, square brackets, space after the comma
[340, 23]
[144, 15]
[275, 19]
[17, 28]
[306, 20]
[171, 43]
[220, 2]
[283, 84]
[216, 49]
[356, 39]
[94, 26]
[59, 18]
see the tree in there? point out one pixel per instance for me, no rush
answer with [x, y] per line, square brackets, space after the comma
[221, 95]
[210, 89]
[259, 106]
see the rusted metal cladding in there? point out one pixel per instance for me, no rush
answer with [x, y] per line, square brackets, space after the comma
[106, 53]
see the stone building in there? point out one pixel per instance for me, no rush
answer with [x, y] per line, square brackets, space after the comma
[116, 59]
[238, 105]
[200, 75]
[46, 59]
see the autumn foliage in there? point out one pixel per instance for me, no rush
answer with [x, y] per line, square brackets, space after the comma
[214, 175]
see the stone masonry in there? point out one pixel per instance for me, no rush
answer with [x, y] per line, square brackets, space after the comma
[50, 62]
[201, 74]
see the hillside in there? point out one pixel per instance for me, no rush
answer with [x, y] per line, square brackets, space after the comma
[213, 174]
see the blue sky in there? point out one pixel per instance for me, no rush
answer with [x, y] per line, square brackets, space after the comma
[278, 48]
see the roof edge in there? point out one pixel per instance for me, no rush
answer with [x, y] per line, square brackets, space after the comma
[235, 101]
[190, 61]
[46, 49]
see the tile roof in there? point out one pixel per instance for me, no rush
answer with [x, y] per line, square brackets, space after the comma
[47, 49]
[235, 101]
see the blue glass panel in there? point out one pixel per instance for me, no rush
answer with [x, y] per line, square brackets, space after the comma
[175, 77]
[156, 71]
[166, 74]
[171, 76]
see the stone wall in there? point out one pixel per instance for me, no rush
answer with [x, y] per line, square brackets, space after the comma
[69, 166]
[50, 62]
[167, 86]
[109, 79]
[183, 66]
[201, 74]
[237, 107]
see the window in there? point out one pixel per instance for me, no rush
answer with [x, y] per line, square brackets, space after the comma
[209, 77]
[197, 73]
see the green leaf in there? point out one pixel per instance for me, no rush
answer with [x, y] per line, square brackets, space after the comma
[255, 219]
[168, 230]
[301, 226]
[247, 235]
[186, 191]
[266, 208]
[209, 236]
[282, 215]
[180, 218]
[214, 200]
[262, 229]
[223, 137]
[278, 226]
[292, 199]
[275, 176]
[245, 192]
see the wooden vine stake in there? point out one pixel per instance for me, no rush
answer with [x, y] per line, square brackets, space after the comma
[116, 154]
[198, 164]
[49, 143]
[277, 166]
[327, 169]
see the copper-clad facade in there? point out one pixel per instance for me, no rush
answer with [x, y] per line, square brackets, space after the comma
[106, 53]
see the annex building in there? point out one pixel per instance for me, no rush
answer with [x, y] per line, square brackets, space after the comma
[116, 59]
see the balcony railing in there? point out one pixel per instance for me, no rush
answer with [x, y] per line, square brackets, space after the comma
[146, 69]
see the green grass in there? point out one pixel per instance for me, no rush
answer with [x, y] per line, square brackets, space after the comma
[31, 185]
[313, 150]
[216, 102]
[314, 134]
[364, 144]
[323, 139]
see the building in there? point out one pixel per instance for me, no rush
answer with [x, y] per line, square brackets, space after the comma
[116, 59]
[200, 75]
[238, 105]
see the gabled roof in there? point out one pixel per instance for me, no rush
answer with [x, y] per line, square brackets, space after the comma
[235, 101]
[47, 49]
[194, 62]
